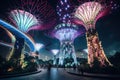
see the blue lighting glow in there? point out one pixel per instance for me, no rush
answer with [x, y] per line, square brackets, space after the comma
[17, 32]
[23, 20]
[5, 44]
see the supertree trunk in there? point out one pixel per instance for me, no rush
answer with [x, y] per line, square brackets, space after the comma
[67, 51]
[95, 50]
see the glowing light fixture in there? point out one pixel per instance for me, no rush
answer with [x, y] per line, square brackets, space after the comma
[23, 20]
[55, 51]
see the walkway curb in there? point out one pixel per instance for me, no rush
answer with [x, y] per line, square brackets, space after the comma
[17, 75]
[96, 75]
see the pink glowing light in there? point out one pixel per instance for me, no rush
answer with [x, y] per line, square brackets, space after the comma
[43, 26]
[89, 12]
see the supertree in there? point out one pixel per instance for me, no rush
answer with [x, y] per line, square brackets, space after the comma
[16, 55]
[29, 15]
[32, 15]
[88, 13]
[66, 31]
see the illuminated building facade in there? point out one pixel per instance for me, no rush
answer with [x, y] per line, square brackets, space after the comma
[23, 20]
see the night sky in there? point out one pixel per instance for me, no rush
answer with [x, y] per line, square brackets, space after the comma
[108, 28]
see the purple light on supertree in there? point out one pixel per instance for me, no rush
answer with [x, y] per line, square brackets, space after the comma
[64, 10]
[66, 31]
[88, 13]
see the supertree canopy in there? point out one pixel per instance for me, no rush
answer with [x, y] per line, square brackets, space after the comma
[23, 20]
[88, 13]
[42, 10]
[32, 15]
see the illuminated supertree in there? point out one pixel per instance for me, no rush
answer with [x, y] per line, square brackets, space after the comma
[23, 20]
[18, 52]
[32, 15]
[88, 13]
[66, 32]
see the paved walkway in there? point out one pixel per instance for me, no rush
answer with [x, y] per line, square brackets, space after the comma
[22, 74]
[76, 72]
[53, 74]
